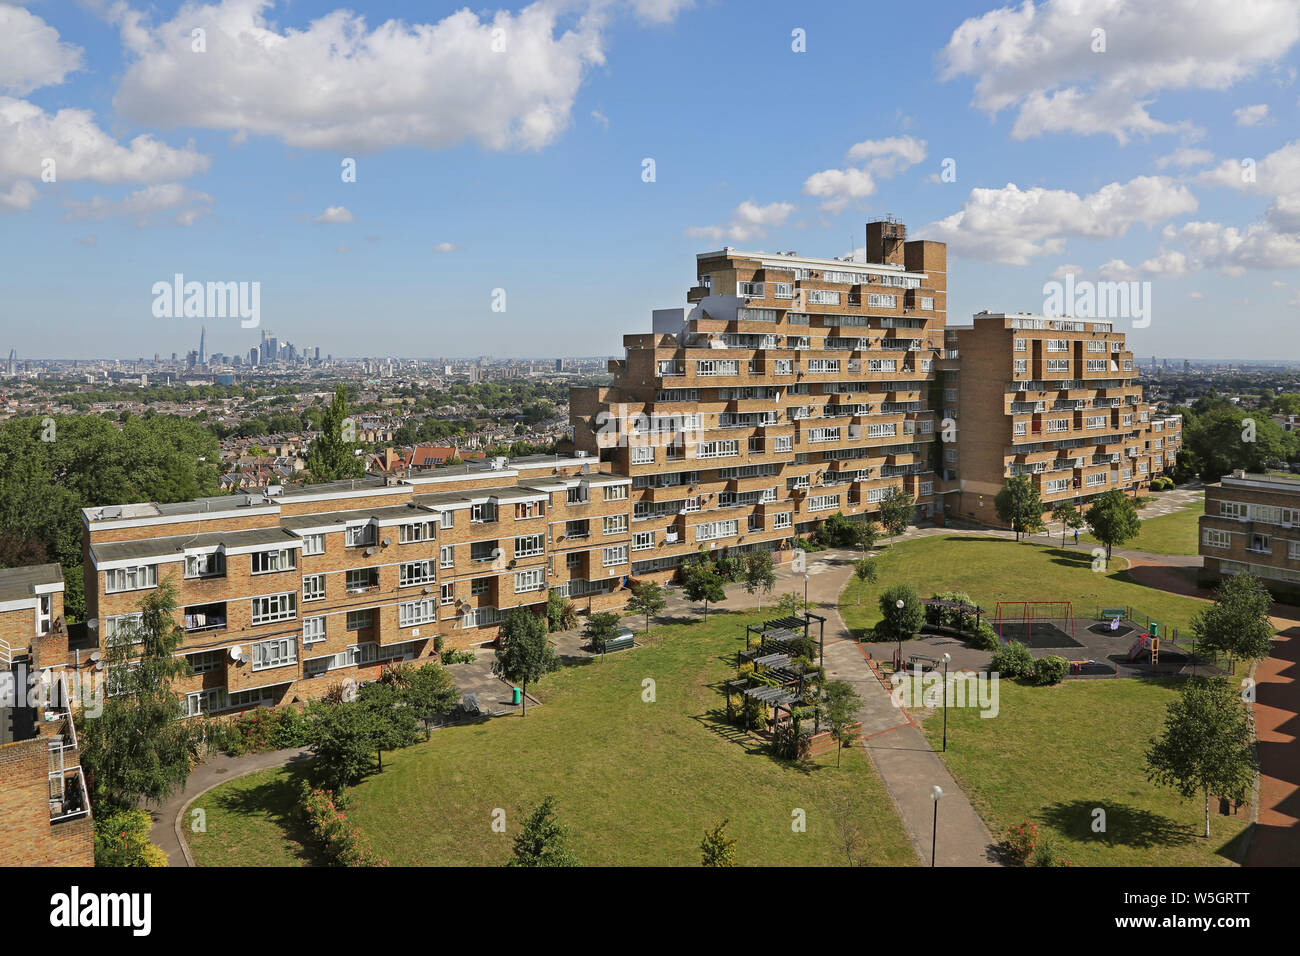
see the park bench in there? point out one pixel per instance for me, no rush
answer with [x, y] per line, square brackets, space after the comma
[1113, 613]
[924, 662]
[620, 642]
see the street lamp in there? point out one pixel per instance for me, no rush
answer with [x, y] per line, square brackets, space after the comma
[946, 659]
[936, 792]
[805, 592]
[900, 604]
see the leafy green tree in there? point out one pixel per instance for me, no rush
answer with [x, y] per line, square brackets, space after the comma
[896, 511]
[341, 739]
[760, 574]
[600, 630]
[139, 748]
[561, 613]
[392, 723]
[718, 849]
[428, 690]
[839, 709]
[866, 571]
[648, 599]
[331, 456]
[703, 583]
[524, 655]
[1113, 519]
[1018, 505]
[1068, 515]
[122, 840]
[1237, 623]
[1206, 746]
[900, 624]
[544, 840]
[867, 533]
[1224, 437]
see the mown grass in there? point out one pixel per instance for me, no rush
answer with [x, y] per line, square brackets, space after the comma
[1175, 533]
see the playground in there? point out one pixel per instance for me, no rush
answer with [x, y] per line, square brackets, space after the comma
[1105, 642]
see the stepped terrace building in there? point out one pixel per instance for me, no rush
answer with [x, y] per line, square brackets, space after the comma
[788, 389]
[1053, 399]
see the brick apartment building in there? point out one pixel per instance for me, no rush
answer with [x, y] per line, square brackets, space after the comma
[1252, 522]
[44, 807]
[1053, 399]
[788, 389]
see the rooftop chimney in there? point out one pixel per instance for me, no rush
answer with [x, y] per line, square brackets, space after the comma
[885, 239]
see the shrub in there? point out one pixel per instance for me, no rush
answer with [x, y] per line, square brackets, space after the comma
[1047, 854]
[730, 568]
[453, 656]
[1051, 670]
[122, 839]
[1013, 660]
[339, 841]
[561, 613]
[985, 638]
[1019, 842]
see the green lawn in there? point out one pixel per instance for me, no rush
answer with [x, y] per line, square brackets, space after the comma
[1167, 534]
[637, 782]
[996, 569]
[1053, 755]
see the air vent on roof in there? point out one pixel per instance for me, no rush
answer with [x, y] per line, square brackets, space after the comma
[111, 513]
[273, 490]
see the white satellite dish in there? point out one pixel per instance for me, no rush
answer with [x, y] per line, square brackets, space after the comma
[96, 655]
[236, 653]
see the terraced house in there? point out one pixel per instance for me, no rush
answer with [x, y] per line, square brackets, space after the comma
[787, 389]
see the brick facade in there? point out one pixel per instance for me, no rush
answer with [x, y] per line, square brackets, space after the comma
[1253, 522]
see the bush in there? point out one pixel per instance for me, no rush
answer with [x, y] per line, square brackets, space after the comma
[730, 568]
[1013, 660]
[338, 841]
[1019, 842]
[561, 613]
[1051, 670]
[453, 656]
[258, 730]
[985, 638]
[122, 839]
[1047, 854]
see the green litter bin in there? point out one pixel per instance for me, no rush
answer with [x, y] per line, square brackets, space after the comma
[518, 696]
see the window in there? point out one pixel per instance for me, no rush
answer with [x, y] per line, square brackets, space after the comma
[361, 579]
[576, 529]
[480, 617]
[713, 367]
[130, 579]
[614, 555]
[205, 662]
[1261, 543]
[274, 653]
[447, 519]
[1058, 425]
[783, 520]
[413, 613]
[360, 535]
[313, 544]
[447, 594]
[360, 620]
[783, 366]
[313, 587]
[122, 626]
[616, 492]
[783, 443]
[529, 509]
[534, 579]
[573, 559]
[717, 449]
[716, 529]
[783, 290]
[1058, 345]
[643, 454]
[480, 513]
[313, 630]
[268, 562]
[643, 541]
[410, 533]
[205, 565]
[274, 607]
[446, 556]
[1213, 538]
[823, 502]
[414, 572]
[881, 301]
[614, 524]
[1020, 345]
[484, 551]
[1020, 366]
[529, 545]
[1097, 478]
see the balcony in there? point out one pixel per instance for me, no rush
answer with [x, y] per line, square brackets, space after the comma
[204, 617]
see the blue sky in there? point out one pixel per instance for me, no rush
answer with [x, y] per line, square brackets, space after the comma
[521, 168]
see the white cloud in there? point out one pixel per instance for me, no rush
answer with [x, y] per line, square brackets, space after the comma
[445, 247]
[1116, 270]
[1061, 271]
[340, 84]
[884, 158]
[183, 206]
[1167, 264]
[1013, 225]
[334, 214]
[749, 221]
[1185, 156]
[1212, 245]
[600, 118]
[31, 53]
[18, 198]
[659, 11]
[1251, 115]
[1039, 59]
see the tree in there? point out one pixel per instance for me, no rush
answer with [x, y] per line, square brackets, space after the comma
[139, 748]
[1237, 622]
[717, 849]
[524, 655]
[1018, 505]
[543, 841]
[839, 708]
[1113, 519]
[1068, 515]
[1206, 746]
[648, 599]
[867, 534]
[429, 690]
[896, 511]
[561, 613]
[391, 722]
[900, 624]
[760, 575]
[866, 571]
[341, 739]
[703, 583]
[600, 630]
[332, 453]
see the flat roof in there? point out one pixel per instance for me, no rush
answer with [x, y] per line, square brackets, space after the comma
[19, 583]
[179, 544]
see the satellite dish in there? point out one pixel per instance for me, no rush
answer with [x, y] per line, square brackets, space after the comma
[236, 653]
[96, 655]
[387, 542]
[245, 658]
[93, 624]
[369, 552]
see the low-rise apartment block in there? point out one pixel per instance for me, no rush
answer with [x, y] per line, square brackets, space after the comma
[1252, 523]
